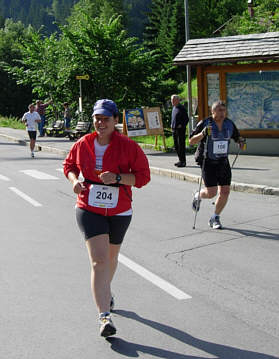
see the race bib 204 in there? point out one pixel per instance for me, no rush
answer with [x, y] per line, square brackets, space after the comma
[103, 196]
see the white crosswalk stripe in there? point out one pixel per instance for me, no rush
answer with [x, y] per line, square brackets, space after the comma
[25, 197]
[4, 178]
[39, 175]
[153, 278]
[81, 178]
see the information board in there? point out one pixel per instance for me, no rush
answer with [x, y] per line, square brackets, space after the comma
[143, 121]
[153, 121]
[253, 99]
[135, 122]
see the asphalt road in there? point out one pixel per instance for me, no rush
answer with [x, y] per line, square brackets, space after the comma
[214, 293]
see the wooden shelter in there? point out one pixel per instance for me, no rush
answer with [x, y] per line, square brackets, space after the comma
[243, 71]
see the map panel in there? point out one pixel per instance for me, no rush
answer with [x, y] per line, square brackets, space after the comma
[253, 99]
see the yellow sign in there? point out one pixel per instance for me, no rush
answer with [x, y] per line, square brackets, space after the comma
[82, 77]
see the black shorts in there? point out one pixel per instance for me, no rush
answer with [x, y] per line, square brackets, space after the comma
[217, 173]
[92, 224]
[32, 135]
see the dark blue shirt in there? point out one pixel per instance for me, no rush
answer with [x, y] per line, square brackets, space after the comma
[179, 116]
[227, 132]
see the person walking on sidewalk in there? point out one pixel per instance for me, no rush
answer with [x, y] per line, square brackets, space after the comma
[41, 109]
[216, 172]
[111, 164]
[31, 119]
[67, 116]
[179, 121]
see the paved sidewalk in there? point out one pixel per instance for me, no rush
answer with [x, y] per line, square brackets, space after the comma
[254, 174]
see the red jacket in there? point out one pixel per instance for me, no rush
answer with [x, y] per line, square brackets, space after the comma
[123, 155]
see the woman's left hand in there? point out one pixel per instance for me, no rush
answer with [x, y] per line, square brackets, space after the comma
[108, 177]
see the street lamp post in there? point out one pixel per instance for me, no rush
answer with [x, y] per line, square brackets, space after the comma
[188, 67]
[81, 77]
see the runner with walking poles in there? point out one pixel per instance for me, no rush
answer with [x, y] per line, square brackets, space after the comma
[213, 136]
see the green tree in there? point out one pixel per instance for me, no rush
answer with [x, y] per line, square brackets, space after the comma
[104, 9]
[265, 19]
[163, 36]
[118, 67]
[14, 98]
[206, 16]
[136, 11]
[61, 10]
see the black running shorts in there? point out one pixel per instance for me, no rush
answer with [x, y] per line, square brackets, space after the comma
[217, 173]
[32, 135]
[92, 224]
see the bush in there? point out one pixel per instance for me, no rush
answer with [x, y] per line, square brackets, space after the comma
[11, 122]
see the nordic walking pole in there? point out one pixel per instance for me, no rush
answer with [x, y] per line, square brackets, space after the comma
[235, 158]
[200, 182]
[203, 164]
[243, 140]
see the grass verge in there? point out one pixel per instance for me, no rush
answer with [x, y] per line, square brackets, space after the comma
[11, 122]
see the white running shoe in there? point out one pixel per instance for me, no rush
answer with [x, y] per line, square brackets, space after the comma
[196, 202]
[215, 223]
[107, 327]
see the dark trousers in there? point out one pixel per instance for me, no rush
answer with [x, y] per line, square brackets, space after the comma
[179, 137]
[41, 125]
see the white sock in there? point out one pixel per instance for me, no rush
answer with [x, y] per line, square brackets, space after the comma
[197, 195]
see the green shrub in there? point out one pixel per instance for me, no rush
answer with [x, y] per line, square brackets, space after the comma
[11, 122]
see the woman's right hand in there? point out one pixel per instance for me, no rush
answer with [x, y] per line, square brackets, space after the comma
[78, 187]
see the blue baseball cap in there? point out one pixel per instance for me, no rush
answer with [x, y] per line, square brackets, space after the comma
[105, 107]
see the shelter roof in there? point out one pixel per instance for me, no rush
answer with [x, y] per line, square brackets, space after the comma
[251, 47]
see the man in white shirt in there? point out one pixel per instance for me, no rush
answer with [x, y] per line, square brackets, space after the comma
[31, 118]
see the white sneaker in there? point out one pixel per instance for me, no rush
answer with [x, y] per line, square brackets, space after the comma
[215, 223]
[107, 327]
[196, 202]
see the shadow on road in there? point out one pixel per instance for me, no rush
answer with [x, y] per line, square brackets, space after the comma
[52, 140]
[250, 169]
[218, 350]
[257, 234]
[12, 143]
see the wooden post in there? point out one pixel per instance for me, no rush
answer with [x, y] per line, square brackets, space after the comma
[164, 142]
[201, 98]
[125, 129]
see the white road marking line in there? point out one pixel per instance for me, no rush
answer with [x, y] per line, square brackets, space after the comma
[80, 177]
[24, 196]
[153, 278]
[39, 175]
[4, 178]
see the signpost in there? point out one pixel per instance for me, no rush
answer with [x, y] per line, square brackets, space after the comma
[188, 69]
[81, 77]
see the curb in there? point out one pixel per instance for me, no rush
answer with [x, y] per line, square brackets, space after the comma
[182, 176]
[235, 186]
